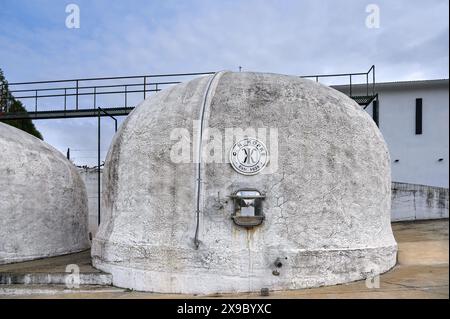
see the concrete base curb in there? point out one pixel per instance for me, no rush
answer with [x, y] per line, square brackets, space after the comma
[55, 278]
[20, 290]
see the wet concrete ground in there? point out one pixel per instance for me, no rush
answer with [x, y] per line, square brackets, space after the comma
[421, 272]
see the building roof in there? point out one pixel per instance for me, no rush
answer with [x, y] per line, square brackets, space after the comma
[399, 85]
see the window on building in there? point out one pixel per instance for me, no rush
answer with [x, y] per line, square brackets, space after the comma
[418, 116]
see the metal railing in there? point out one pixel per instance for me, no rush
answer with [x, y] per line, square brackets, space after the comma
[90, 89]
[86, 87]
[369, 81]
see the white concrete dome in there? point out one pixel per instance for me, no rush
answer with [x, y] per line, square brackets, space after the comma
[43, 201]
[326, 185]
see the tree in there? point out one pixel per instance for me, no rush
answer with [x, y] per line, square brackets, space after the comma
[8, 104]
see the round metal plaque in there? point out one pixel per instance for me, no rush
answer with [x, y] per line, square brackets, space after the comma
[249, 156]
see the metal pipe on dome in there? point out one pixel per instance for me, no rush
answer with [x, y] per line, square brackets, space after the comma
[202, 115]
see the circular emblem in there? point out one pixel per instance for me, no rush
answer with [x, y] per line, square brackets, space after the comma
[249, 156]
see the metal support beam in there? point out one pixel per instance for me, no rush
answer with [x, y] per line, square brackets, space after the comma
[99, 112]
[98, 168]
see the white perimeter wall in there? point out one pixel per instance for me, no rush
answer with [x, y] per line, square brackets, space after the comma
[411, 202]
[90, 178]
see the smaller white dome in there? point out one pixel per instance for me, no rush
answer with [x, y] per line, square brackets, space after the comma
[43, 201]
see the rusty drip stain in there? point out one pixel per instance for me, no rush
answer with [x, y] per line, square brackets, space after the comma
[250, 268]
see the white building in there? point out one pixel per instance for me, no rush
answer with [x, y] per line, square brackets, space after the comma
[414, 119]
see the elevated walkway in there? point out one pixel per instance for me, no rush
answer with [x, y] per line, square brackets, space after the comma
[82, 97]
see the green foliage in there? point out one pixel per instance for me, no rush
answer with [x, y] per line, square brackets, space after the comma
[8, 104]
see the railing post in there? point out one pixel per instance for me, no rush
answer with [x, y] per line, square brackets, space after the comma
[3, 106]
[145, 86]
[6, 97]
[65, 100]
[350, 85]
[373, 80]
[367, 83]
[126, 87]
[95, 97]
[76, 104]
[35, 102]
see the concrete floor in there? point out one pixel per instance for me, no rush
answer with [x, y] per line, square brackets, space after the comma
[422, 272]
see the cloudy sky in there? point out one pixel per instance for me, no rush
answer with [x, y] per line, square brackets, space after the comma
[144, 37]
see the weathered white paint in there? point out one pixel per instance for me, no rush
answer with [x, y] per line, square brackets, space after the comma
[327, 206]
[417, 155]
[43, 203]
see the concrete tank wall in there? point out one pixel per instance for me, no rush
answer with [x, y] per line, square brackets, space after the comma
[43, 202]
[327, 187]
